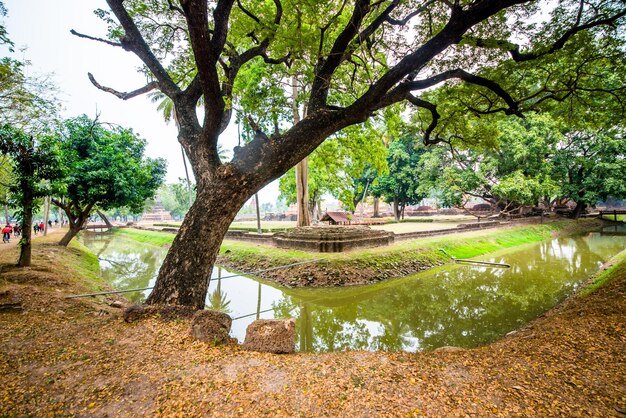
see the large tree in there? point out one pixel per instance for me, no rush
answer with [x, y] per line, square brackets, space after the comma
[367, 55]
[106, 168]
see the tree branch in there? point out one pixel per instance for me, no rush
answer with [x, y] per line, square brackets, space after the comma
[134, 42]
[106, 41]
[324, 71]
[513, 49]
[124, 95]
[435, 117]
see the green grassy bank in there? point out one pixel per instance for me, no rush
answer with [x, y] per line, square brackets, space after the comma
[615, 269]
[375, 264]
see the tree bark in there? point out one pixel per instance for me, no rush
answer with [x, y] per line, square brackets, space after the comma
[376, 207]
[185, 273]
[75, 228]
[27, 230]
[258, 214]
[46, 214]
[104, 218]
[396, 209]
[76, 223]
[579, 209]
[302, 168]
[302, 191]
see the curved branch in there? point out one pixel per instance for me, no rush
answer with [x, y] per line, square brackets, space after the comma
[327, 67]
[124, 95]
[517, 56]
[106, 41]
[435, 117]
[247, 12]
[133, 41]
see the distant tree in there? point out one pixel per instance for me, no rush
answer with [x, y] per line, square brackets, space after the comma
[509, 169]
[591, 166]
[34, 162]
[401, 185]
[106, 168]
[335, 165]
[175, 198]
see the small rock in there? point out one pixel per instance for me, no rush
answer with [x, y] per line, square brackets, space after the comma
[60, 312]
[512, 333]
[276, 336]
[116, 304]
[211, 326]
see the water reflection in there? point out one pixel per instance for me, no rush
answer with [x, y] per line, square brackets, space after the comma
[460, 305]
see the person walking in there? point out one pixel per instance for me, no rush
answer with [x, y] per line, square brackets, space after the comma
[6, 233]
[36, 228]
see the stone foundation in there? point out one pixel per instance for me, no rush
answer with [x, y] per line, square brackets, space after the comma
[332, 239]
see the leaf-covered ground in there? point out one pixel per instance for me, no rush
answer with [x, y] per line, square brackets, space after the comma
[62, 357]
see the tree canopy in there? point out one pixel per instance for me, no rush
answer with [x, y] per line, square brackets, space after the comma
[358, 57]
[106, 168]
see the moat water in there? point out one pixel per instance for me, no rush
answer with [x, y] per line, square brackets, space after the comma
[455, 305]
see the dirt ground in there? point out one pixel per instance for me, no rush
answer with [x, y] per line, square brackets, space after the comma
[76, 357]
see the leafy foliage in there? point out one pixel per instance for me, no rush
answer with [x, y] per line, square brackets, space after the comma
[105, 168]
[34, 163]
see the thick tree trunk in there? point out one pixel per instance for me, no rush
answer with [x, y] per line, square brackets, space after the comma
[70, 234]
[186, 271]
[376, 207]
[76, 224]
[396, 209]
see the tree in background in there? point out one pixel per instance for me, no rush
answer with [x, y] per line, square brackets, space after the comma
[591, 166]
[106, 168]
[507, 164]
[336, 166]
[34, 162]
[401, 185]
[174, 198]
[29, 114]
[387, 51]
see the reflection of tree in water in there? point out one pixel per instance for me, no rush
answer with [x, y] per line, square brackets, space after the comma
[217, 299]
[324, 329]
[124, 263]
[465, 306]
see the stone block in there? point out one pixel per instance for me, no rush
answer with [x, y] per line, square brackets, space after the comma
[276, 336]
[211, 326]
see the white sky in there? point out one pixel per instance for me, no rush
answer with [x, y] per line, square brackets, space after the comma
[43, 27]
